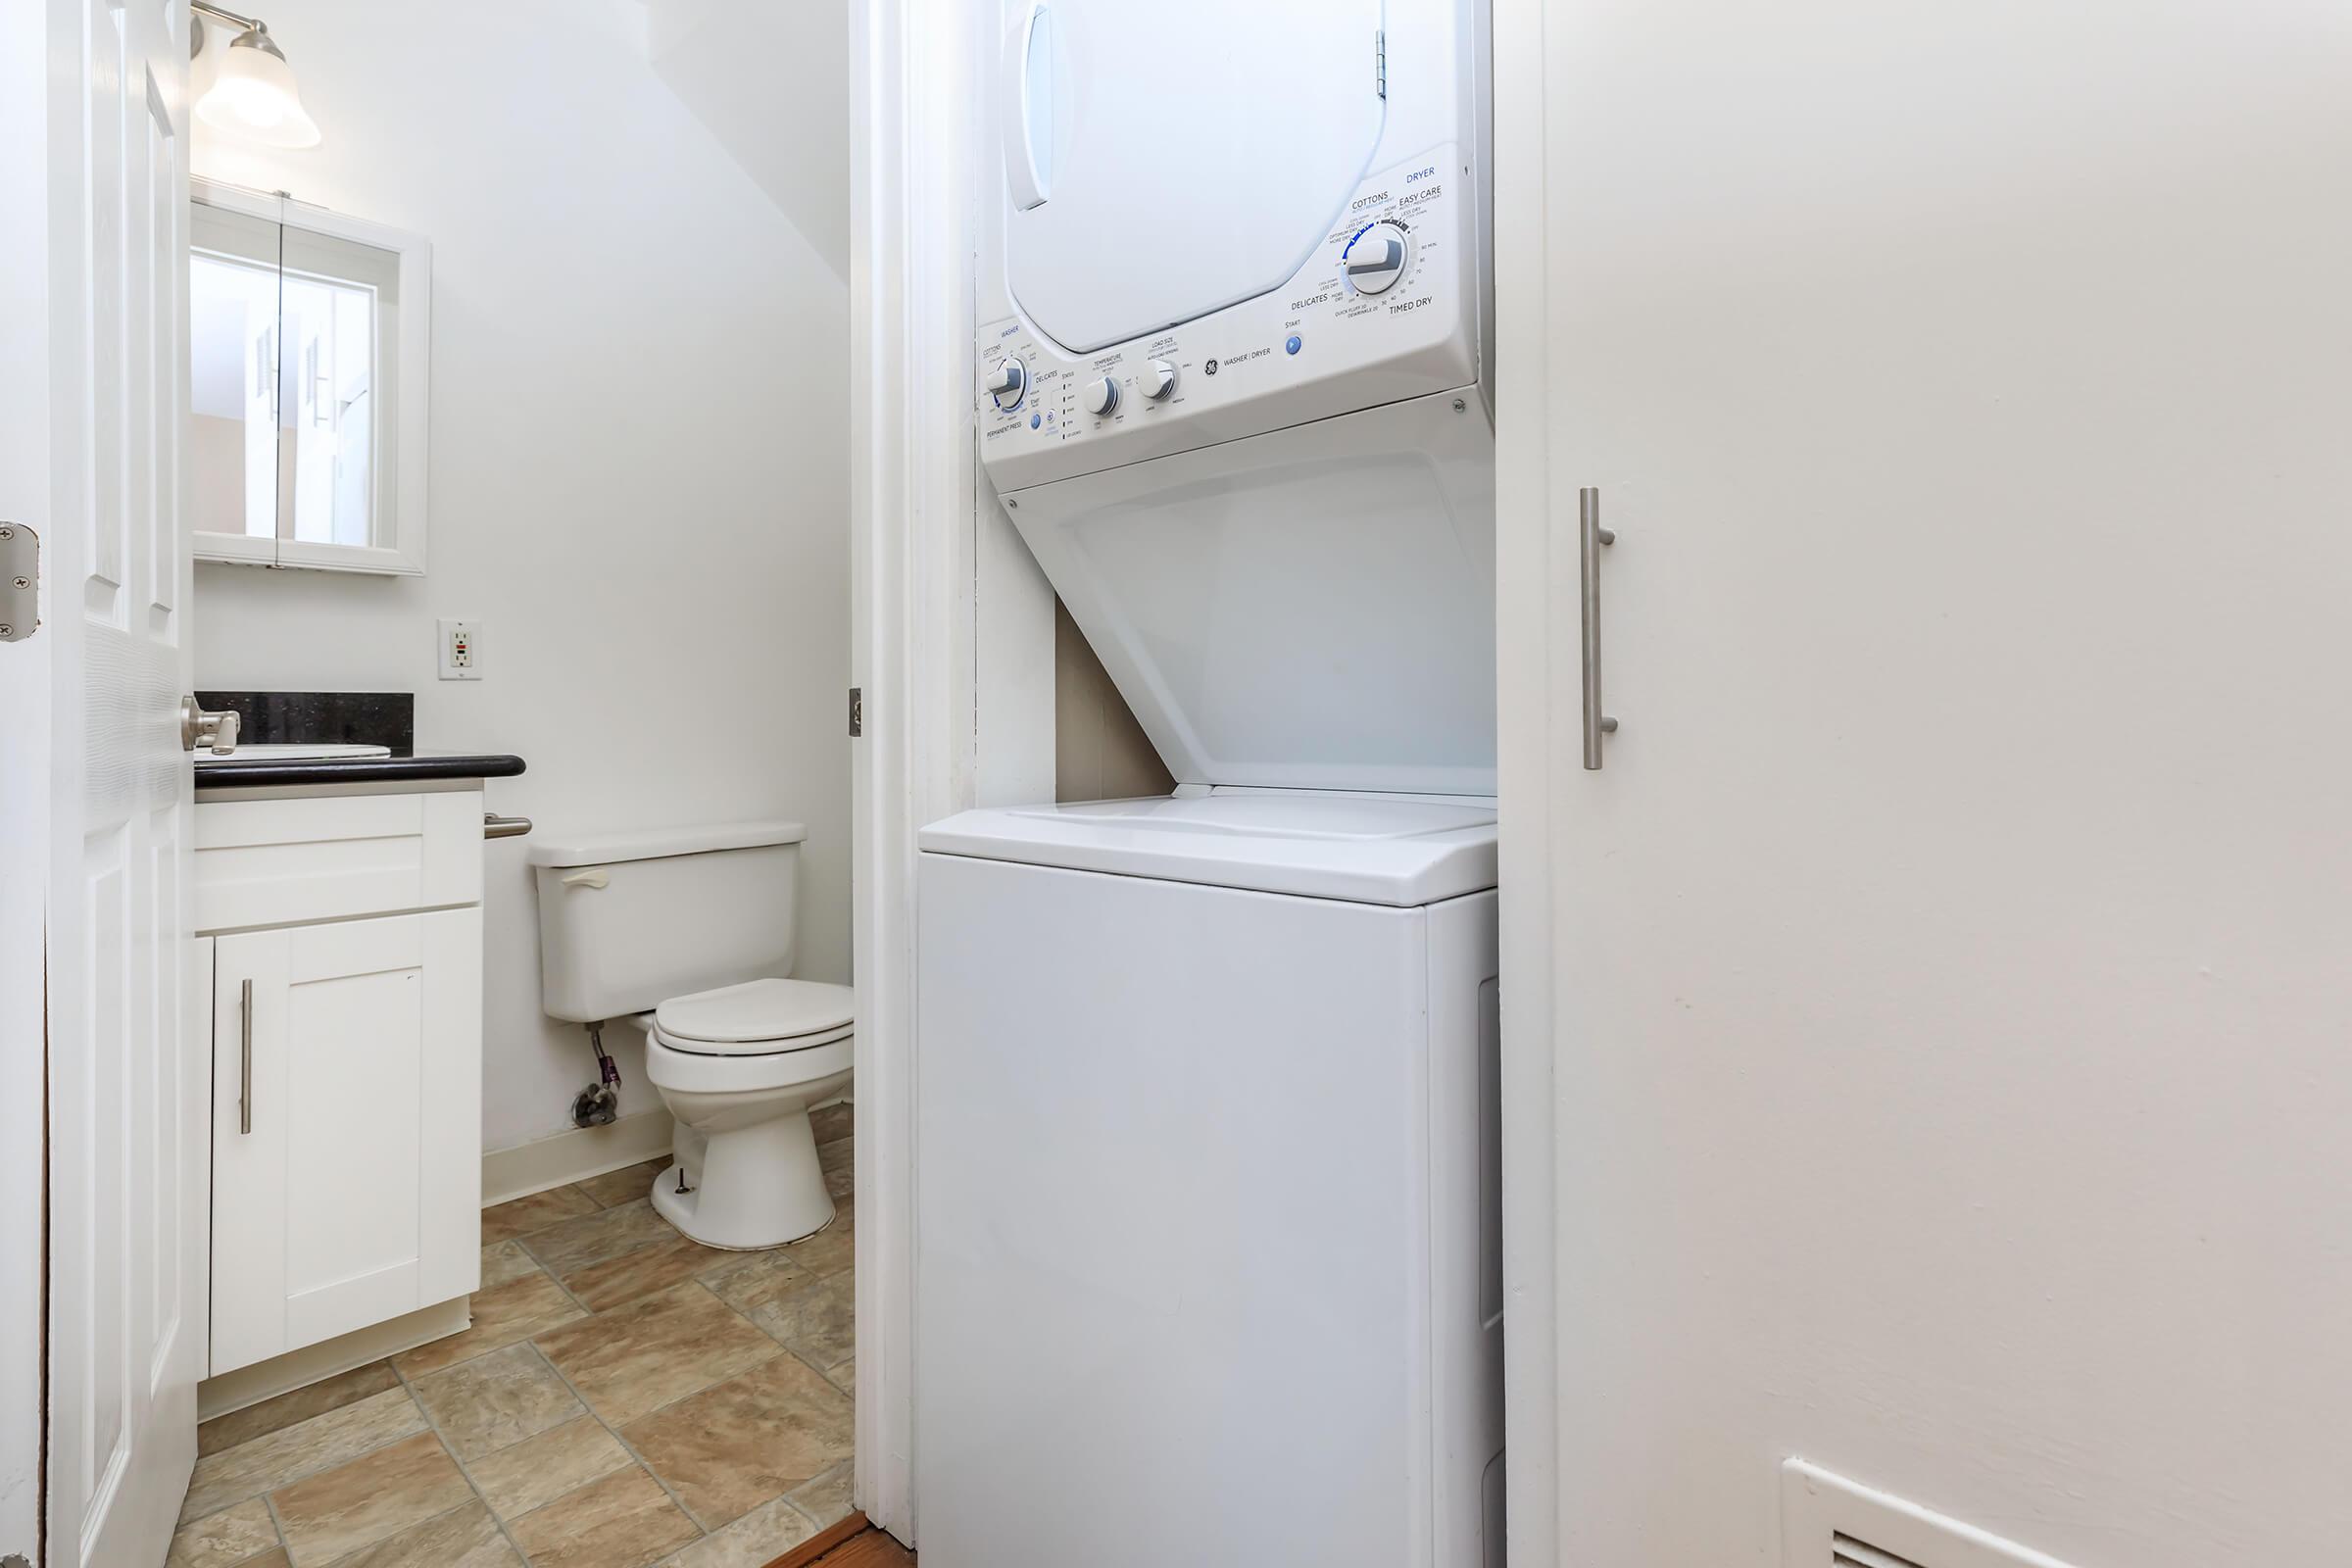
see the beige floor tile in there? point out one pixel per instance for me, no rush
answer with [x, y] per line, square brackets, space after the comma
[533, 1214]
[842, 1375]
[839, 1181]
[541, 1469]
[827, 1497]
[833, 1250]
[335, 1513]
[496, 1400]
[634, 1359]
[267, 1559]
[506, 1261]
[573, 1245]
[747, 1279]
[501, 1315]
[304, 1448]
[833, 1121]
[626, 1186]
[231, 1537]
[729, 1449]
[817, 1319]
[634, 1275]
[753, 1541]
[256, 1420]
[463, 1537]
[837, 1154]
[623, 1521]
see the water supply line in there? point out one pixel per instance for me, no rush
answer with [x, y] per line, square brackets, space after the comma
[598, 1104]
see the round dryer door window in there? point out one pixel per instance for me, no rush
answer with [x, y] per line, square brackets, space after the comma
[1166, 161]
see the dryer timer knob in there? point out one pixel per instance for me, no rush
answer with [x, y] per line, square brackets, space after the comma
[1102, 395]
[1375, 259]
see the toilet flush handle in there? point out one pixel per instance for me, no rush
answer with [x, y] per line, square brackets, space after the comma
[593, 877]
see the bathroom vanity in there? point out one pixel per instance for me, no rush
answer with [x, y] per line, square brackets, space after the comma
[338, 902]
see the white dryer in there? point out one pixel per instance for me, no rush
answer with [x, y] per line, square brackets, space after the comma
[1208, 1228]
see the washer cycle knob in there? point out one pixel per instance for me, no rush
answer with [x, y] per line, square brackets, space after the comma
[1006, 382]
[1375, 259]
[1102, 395]
[1157, 380]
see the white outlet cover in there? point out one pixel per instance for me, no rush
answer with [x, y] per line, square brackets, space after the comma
[449, 629]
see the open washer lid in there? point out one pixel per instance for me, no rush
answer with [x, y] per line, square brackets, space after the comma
[1166, 161]
[1308, 608]
[1359, 849]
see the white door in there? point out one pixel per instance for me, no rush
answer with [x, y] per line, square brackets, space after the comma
[1950, 967]
[347, 1113]
[92, 374]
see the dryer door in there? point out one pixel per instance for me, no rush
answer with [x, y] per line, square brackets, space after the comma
[1188, 156]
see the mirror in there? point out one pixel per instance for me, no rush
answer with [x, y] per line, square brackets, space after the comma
[307, 347]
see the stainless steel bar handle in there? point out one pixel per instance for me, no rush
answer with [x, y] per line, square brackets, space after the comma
[1591, 537]
[245, 1059]
[494, 826]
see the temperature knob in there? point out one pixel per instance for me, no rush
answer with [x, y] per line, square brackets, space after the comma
[1157, 380]
[1102, 395]
[1006, 382]
[1375, 259]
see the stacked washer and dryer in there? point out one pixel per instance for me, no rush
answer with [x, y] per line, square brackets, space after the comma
[1208, 1234]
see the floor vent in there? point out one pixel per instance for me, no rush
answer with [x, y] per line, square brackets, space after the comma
[1830, 1522]
[1847, 1552]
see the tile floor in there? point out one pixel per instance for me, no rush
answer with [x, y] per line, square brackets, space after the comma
[624, 1397]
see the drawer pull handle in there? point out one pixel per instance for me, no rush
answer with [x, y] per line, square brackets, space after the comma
[245, 1058]
[593, 877]
[494, 826]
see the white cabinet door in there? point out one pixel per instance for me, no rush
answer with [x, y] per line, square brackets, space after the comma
[346, 1127]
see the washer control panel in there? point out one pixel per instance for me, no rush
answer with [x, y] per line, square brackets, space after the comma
[1386, 307]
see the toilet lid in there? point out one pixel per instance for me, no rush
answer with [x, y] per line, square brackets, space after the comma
[757, 1015]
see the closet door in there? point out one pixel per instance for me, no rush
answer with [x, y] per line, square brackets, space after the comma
[346, 1188]
[1949, 962]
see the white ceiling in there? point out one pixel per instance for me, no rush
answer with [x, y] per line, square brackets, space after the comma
[771, 79]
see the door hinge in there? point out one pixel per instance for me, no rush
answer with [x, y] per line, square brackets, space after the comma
[857, 712]
[1380, 62]
[19, 586]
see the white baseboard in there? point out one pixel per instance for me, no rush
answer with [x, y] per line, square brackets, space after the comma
[316, 1363]
[583, 1152]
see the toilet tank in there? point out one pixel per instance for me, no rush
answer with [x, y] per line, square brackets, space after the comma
[628, 920]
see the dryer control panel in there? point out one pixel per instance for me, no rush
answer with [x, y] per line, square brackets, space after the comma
[1384, 309]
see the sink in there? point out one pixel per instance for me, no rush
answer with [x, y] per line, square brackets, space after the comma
[289, 752]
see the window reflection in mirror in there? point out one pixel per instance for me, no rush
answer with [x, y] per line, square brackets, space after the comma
[296, 414]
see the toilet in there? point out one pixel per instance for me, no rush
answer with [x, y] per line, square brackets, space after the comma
[689, 933]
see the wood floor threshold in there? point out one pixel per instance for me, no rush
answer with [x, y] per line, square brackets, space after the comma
[837, 1534]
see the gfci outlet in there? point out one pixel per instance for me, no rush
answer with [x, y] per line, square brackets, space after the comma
[461, 656]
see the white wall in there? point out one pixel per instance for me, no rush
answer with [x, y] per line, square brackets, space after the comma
[638, 467]
[1952, 966]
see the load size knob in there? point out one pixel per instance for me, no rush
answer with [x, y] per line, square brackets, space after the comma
[1102, 395]
[1006, 382]
[1157, 380]
[1374, 260]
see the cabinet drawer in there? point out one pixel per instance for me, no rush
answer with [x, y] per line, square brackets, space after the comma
[325, 857]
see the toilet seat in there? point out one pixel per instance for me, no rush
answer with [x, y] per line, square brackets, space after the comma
[757, 1019]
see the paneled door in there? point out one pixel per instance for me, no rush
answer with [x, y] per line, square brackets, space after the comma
[93, 372]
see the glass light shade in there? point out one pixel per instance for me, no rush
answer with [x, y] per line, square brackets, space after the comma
[253, 96]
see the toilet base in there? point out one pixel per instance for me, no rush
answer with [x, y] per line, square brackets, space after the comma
[747, 1189]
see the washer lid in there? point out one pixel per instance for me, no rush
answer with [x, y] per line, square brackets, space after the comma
[1363, 848]
[757, 1012]
[1181, 158]
[1311, 609]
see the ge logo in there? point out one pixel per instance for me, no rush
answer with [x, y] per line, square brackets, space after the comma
[1210, 366]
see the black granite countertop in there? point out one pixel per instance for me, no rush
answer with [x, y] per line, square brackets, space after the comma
[398, 767]
[365, 718]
